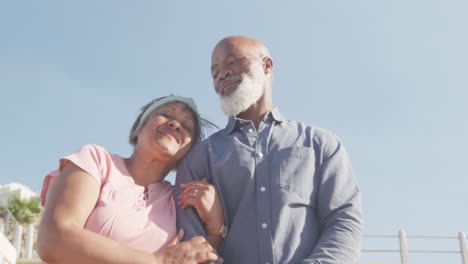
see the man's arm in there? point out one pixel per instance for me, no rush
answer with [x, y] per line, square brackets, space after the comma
[339, 209]
[193, 167]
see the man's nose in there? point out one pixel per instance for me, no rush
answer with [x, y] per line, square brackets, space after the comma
[225, 72]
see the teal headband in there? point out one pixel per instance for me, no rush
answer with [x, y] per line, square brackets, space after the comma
[170, 99]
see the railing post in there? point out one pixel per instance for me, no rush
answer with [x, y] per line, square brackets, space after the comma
[7, 222]
[18, 233]
[8, 253]
[463, 247]
[28, 246]
[403, 247]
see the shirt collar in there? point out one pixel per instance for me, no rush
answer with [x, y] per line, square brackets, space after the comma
[275, 113]
[231, 124]
[234, 122]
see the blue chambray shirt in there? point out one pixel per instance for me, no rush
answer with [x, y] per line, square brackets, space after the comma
[288, 191]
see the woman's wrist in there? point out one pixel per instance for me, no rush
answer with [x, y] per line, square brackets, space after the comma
[219, 230]
[214, 240]
[213, 228]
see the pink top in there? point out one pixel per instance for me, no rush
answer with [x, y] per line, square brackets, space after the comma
[122, 211]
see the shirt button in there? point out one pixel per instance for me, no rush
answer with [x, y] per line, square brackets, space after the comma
[140, 204]
[262, 189]
[250, 130]
[260, 154]
[264, 225]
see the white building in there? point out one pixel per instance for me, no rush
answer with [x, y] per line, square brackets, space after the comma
[8, 252]
[23, 192]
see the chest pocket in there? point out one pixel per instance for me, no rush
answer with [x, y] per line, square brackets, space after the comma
[297, 170]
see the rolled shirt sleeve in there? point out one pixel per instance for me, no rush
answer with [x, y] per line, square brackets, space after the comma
[339, 209]
[193, 167]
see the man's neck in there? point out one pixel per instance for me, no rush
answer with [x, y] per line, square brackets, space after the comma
[255, 113]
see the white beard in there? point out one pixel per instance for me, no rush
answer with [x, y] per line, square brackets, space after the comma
[249, 90]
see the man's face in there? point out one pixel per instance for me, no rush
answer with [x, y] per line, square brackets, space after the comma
[238, 78]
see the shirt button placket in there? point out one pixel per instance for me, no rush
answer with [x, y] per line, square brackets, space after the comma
[263, 195]
[263, 205]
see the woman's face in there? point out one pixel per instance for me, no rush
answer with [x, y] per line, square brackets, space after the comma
[168, 132]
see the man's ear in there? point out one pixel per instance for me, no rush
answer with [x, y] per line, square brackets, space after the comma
[267, 65]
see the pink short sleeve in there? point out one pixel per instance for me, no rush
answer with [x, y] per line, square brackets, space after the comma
[92, 159]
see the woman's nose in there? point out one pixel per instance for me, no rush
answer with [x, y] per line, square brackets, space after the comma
[174, 124]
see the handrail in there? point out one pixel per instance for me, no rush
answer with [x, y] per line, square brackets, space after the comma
[404, 250]
[9, 212]
[12, 229]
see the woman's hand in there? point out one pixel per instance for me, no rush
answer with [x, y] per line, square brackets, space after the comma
[204, 197]
[194, 251]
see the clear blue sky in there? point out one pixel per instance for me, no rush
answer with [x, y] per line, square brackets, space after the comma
[389, 77]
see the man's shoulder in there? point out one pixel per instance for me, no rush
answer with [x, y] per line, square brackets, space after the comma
[216, 136]
[316, 132]
[203, 147]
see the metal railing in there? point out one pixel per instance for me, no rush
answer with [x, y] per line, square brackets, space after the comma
[12, 230]
[404, 251]
[8, 226]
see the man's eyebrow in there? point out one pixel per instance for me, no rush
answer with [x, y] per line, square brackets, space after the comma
[229, 56]
[213, 66]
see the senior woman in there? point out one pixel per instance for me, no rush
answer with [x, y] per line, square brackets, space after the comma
[102, 208]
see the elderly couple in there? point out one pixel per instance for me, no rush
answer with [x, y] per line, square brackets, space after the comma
[262, 190]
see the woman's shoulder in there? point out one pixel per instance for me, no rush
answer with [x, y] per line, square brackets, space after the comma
[96, 152]
[94, 148]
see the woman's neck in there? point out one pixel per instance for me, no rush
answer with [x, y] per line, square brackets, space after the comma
[145, 171]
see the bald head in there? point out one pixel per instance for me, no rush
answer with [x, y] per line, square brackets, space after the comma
[249, 46]
[241, 47]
